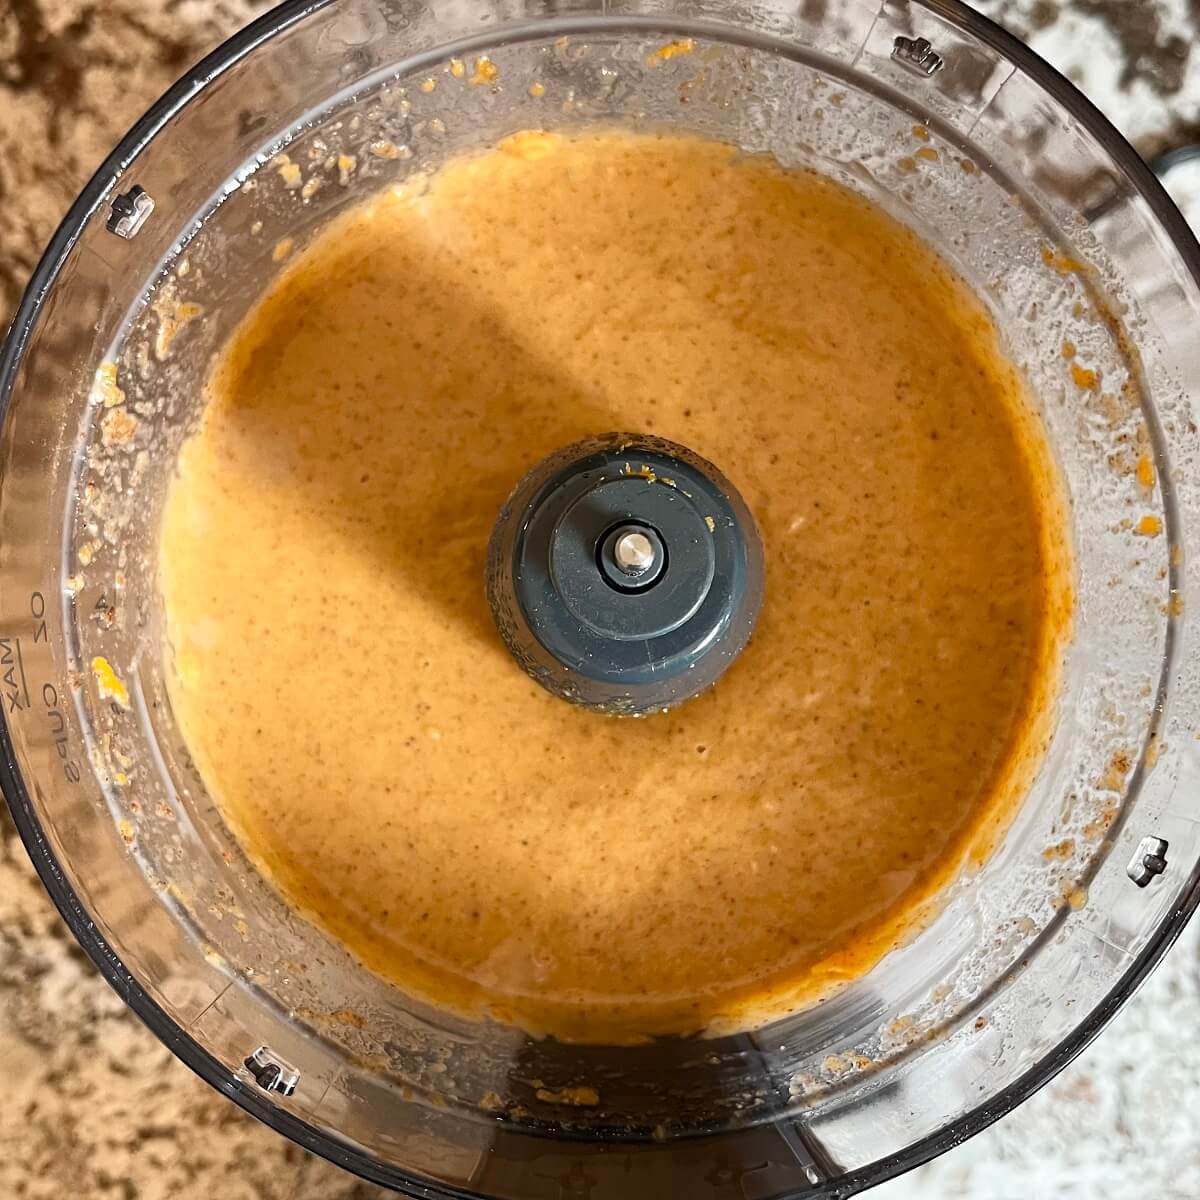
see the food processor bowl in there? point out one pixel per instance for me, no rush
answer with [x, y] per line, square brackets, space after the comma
[925, 108]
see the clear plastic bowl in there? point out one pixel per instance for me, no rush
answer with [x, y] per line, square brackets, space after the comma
[1034, 198]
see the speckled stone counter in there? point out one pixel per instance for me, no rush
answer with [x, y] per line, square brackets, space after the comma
[92, 1106]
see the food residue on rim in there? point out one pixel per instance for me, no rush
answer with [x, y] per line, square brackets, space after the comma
[670, 50]
[1084, 377]
[288, 171]
[108, 683]
[537, 90]
[1148, 526]
[530, 144]
[346, 164]
[1101, 823]
[580, 1097]
[1154, 751]
[282, 249]
[105, 389]
[485, 71]
[1145, 470]
[1113, 780]
[457, 68]
[1060, 850]
[388, 149]
[171, 320]
[427, 85]
[644, 470]
[117, 427]
[1064, 264]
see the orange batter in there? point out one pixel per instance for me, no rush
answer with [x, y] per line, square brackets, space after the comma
[342, 685]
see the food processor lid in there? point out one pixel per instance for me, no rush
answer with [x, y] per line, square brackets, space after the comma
[929, 59]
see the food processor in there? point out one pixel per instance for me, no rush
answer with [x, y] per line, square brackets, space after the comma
[928, 110]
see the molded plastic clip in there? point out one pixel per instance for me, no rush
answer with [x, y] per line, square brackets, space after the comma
[918, 55]
[271, 1073]
[1149, 860]
[129, 212]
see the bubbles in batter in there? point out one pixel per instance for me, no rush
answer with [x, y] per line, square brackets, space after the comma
[339, 678]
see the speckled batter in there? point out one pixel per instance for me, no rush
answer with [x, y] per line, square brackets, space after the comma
[343, 688]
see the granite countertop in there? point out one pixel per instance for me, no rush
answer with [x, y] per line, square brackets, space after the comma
[95, 1107]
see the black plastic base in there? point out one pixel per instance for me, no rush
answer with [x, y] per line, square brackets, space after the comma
[605, 637]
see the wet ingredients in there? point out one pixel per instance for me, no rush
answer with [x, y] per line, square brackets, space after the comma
[485, 845]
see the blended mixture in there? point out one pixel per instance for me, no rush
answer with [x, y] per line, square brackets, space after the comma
[342, 685]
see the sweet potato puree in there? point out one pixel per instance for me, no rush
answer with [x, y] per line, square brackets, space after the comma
[491, 848]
